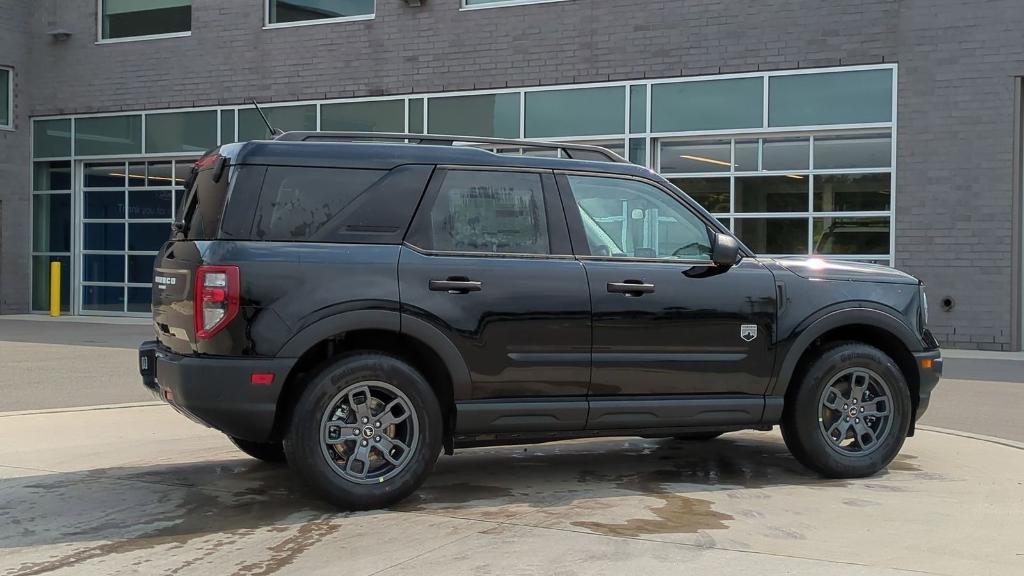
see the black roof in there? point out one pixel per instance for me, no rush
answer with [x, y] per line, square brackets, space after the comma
[387, 155]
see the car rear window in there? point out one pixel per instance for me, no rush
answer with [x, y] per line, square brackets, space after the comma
[203, 206]
[298, 203]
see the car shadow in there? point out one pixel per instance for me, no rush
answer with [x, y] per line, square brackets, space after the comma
[133, 508]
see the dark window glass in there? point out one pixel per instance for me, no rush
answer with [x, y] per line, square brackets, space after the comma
[708, 105]
[494, 212]
[149, 204]
[747, 156]
[481, 115]
[773, 235]
[380, 116]
[711, 193]
[104, 175]
[205, 207]
[227, 126]
[852, 192]
[103, 268]
[851, 235]
[830, 98]
[638, 151]
[51, 138]
[52, 176]
[103, 204]
[103, 298]
[282, 11]
[104, 135]
[298, 203]
[159, 174]
[696, 157]
[41, 282]
[139, 299]
[140, 268]
[103, 236]
[181, 131]
[136, 174]
[147, 237]
[252, 127]
[872, 151]
[786, 154]
[626, 218]
[51, 222]
[579, 112]
[637, 109]
[772, 193]
[126, 18]
[5, 98]
[416, 115]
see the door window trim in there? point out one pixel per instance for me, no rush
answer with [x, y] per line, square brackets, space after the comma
[578, 235]
[559, 237]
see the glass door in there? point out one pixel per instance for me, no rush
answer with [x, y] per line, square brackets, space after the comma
[126, 210]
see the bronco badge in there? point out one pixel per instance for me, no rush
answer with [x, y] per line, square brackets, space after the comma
[748, 332]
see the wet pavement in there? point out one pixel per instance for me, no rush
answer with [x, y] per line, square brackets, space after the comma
[143, 491]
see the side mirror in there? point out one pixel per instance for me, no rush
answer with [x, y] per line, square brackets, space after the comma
[726, 251]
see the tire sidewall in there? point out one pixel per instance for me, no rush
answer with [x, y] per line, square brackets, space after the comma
[801, 426]
[302, 441]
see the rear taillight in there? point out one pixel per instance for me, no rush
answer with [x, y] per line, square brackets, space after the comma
[216, 300]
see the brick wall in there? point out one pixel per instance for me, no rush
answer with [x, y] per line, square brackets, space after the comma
[957, 62]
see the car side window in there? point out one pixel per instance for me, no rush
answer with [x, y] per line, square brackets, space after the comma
[493, 212]
[631, 219]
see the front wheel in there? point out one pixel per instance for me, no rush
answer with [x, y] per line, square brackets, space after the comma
[850, 414]
[366, 431]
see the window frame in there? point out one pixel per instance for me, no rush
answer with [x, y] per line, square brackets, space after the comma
[101, 40]
[559, 243]
[10, 98]
[577, 233]
[268, 25]
[463, 6]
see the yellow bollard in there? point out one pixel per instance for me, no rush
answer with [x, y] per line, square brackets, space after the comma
[55, 288]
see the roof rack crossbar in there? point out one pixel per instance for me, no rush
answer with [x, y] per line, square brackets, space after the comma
[447, 140]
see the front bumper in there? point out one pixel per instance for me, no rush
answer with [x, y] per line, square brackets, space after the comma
[215, 391]
[929, 368]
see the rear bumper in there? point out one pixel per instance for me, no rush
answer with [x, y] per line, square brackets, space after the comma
[929, 378]
[216, 391]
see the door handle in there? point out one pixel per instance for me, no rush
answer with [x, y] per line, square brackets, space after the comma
[630, 287]
[455, 286]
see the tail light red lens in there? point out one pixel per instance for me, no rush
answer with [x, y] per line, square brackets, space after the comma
[216, 299]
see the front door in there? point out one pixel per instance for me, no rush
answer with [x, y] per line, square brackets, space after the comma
[487, 262]
[665, 320]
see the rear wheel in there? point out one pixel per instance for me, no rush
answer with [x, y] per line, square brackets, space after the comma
[851, 413]
[366, 431]
[266, 451]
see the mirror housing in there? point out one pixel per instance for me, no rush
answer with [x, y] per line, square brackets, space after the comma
[726, 250]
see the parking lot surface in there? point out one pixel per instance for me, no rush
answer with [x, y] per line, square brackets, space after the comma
[141, 490]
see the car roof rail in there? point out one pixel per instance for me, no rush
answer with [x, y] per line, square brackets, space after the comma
[574, 151]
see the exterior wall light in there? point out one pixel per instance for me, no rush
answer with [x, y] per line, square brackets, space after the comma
[59, 34]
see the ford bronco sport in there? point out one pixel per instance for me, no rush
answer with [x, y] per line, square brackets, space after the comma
[356, 307]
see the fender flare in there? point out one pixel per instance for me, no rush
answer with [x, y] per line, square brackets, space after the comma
[389, 321]
[836, 319]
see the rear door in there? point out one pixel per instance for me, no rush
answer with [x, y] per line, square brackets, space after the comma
[487, 262]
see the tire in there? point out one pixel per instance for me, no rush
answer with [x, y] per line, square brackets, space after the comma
[354, 463]
[265, 451]
[824, 420]
[698, 436]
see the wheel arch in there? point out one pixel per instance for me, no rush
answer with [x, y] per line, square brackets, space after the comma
[870, 326]
[420, 344]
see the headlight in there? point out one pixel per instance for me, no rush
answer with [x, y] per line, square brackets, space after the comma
[924, 306]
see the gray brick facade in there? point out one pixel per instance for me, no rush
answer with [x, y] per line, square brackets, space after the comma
[959, 63]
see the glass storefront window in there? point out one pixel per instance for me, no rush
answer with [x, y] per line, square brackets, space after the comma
[108, 135]
[286, 118]
[227, 126]
[848, 235]
[576, 112]
[862, 151]
[638, 151]
[711, 193]
[830, 98]
[6, 104]
[852, 192]
[103, 267]
[181, 132]
[380, 116]
[696, 156]
[129, 18]
[637, 109]
[48, 176]
[51, 222]
[730, 104]
[786, 154]
[772, 193]
[289, 11]
[416, 115]
[490, 115]
[773, 235]
[51, 138]
[747, 156]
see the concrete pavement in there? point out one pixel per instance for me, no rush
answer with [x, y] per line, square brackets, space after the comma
[144, 491]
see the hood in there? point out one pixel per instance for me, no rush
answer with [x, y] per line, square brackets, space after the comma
[821, 269]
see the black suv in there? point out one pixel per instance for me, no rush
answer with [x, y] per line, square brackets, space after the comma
[355, 307]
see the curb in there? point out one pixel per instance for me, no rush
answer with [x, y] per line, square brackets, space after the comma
[80, 409]
[972, 436]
